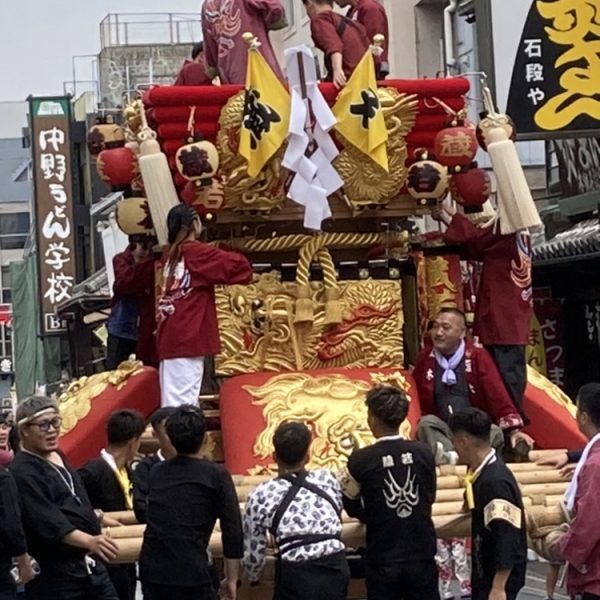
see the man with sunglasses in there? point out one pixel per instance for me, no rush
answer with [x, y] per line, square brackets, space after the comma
[63, 531]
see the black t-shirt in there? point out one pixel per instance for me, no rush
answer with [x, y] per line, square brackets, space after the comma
[103, 487]
[398, 485]
[51, 510]
[140, 477]
[450, 399]
[12, 536]
[185, 498]
[499, 530]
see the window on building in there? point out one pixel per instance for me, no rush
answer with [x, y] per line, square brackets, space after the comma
[12, 242]
[13, 223]
[6, 295]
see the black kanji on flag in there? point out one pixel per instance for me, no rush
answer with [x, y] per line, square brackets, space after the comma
[257, 117]
[367, 109]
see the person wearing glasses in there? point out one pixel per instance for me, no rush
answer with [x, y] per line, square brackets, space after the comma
[187, 317]
[63, 532]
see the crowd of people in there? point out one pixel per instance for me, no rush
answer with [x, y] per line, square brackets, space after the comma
[343, 38]
[52, 516]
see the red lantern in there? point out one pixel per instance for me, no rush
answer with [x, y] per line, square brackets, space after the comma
[117, 166]
[104, 134]
[455, 147]
[471, 188]
[427, 180]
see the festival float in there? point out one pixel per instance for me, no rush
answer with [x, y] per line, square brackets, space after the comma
[344, 284]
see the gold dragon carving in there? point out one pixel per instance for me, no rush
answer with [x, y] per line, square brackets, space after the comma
[243, 193]
[76, 401]
[365, 182]
[333, 406]
[258, 332]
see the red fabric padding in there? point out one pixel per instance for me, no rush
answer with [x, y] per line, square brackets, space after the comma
[140, 392]
[242, 421]
[552, 425]
[202, 95]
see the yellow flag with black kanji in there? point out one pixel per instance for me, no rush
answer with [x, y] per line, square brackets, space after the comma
[359, 113]
[266, 117]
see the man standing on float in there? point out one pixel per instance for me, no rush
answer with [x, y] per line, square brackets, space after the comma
[504, 300]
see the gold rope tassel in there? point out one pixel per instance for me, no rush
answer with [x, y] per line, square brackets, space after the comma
[158, 182]
[516, 208]
[334, 308]
[304, 312]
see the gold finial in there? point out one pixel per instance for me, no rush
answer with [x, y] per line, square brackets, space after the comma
[249, 38]
[379, 40]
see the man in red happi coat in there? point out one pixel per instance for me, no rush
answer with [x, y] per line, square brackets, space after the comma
[580, 546]
[455, 374]
[372, 16]
[504, 306]
[342, 40]
[224, 22]
[132, 321]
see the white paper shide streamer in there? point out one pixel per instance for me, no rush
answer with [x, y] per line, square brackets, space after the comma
[310, 149]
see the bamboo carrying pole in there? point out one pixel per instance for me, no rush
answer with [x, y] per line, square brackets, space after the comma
[542, 489]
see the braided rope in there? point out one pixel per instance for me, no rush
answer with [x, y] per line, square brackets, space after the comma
[329, 274]
[307, 254]
[295, 241]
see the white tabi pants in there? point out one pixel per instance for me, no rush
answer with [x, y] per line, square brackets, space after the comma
[180, 380]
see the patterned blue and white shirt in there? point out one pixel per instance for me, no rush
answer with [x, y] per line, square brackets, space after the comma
[308, 514]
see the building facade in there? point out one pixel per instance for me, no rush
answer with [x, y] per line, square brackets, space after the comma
[15, 222]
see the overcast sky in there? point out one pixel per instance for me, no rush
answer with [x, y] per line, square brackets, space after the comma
[38, 39]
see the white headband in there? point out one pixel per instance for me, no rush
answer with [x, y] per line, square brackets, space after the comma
[42, 411]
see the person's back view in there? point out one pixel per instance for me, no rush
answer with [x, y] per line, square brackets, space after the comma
[390, 486]
[224, 22]
[186, 495]
[302, 511]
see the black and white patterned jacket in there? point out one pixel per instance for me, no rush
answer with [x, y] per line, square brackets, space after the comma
[308, 514]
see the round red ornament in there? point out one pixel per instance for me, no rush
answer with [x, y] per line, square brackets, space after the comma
[117, 166]
[471, 188]
[455, 147]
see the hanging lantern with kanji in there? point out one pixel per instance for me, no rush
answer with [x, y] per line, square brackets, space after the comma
[133, 216]
[427, 180]
[104, 134]
[198, 162]
[471, 188]
[455, 146]
[117, 167]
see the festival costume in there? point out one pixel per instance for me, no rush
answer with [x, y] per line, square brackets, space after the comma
[54, 503]
[132, 318]
[498, 528]
[372, 16]
[302, 511]
[187, 321]
[110, 492]
[331, 33]
[185, 498]
[224, 22]
[452, 561]
[390, 486]
[193, 73]
[479, 385]
[504, 299]
[580, 546]
[12, 536]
